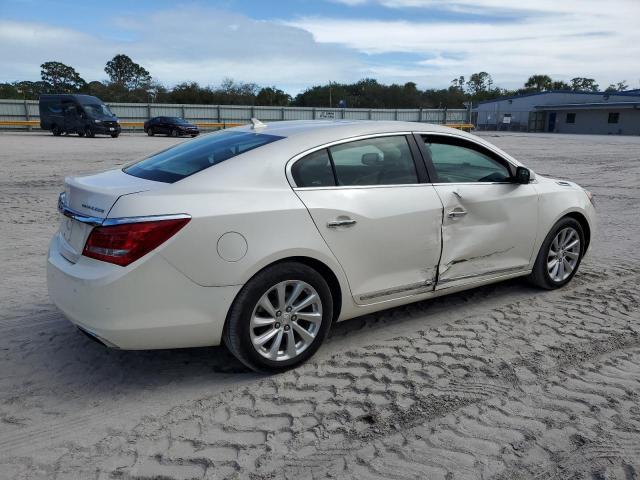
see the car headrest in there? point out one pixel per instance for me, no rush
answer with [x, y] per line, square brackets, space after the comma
[391, 154]
[371, 159]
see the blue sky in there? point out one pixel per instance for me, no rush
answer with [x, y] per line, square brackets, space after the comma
[297, 43]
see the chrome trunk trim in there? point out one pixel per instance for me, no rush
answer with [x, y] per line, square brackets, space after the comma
[108, 222]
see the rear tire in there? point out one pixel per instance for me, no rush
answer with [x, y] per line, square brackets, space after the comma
[266, 339]
[559, 256]
[80, 133]
[56, 130]
[89, 133]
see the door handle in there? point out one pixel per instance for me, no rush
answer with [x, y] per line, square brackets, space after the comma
[341, 223]
[457, 213]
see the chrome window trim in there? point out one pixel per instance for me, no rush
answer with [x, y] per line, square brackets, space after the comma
[470, 140]
[297, 157]
[352, 187]
[363, 187]
[108, 222]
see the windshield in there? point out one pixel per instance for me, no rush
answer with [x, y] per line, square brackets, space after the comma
[184, 159]
[97, 110]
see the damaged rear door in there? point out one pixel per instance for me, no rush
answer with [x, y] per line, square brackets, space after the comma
[489, 222]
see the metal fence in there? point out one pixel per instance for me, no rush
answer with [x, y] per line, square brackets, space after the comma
[512, 121]
[21, 110]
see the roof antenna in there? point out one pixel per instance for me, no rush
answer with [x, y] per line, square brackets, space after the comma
[255, 123]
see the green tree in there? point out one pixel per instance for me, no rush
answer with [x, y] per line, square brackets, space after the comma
[61, 78]
[191, 92]
[458, 83]
[231, 92]
[31, 90]
[273, 96]
[479, 83]
[618, 87]
[560, 85]
[583, 84]
[539, 83]
[8, 90]
[126, 73]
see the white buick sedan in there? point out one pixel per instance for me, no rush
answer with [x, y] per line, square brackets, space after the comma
[262, 236]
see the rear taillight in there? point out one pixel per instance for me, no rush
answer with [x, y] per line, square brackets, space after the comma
[124, 244]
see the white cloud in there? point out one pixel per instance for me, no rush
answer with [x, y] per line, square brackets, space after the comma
[194, 44]
[510, 40]
[563, 39]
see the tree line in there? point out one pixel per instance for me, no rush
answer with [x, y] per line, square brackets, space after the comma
[131, 82]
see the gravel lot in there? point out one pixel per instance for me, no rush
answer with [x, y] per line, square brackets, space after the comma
[501, 382]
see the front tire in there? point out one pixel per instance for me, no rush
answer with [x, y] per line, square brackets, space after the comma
[280, 318]
[560, 255]
[115, 135]
[150, 132]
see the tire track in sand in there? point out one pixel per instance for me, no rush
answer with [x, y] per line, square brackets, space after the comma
[335, 416]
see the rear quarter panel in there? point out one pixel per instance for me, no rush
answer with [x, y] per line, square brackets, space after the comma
[273, 222]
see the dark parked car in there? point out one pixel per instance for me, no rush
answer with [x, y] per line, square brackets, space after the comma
[173, 126]
[81, 114]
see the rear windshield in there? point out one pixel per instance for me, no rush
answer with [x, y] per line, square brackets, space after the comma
[193, 156]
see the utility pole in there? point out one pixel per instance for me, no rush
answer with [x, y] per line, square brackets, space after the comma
[330, 102]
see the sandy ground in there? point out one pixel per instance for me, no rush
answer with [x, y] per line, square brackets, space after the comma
[501, 382]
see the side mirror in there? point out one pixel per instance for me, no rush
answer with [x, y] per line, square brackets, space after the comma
[523, 175]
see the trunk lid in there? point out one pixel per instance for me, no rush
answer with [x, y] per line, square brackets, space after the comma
[94, 195]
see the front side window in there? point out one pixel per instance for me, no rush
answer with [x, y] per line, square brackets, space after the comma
[458, 162]
[184, 159]
[614, 117]
[374, 161]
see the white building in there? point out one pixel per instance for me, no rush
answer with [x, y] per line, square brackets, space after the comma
[562, 112]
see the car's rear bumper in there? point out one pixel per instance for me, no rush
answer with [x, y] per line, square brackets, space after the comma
[147, 305]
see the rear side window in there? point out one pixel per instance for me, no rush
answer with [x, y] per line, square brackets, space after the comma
[314, 170]
[374, 161]
[193, 156]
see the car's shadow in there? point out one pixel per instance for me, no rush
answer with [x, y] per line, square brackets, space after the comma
[74, 351]
[52, 366]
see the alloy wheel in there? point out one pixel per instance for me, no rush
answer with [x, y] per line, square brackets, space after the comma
[286, 320]
[564, 254]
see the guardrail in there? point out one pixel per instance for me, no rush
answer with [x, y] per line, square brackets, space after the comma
[466, 127]
[36, 123]
[133, 114]
[204, 125]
